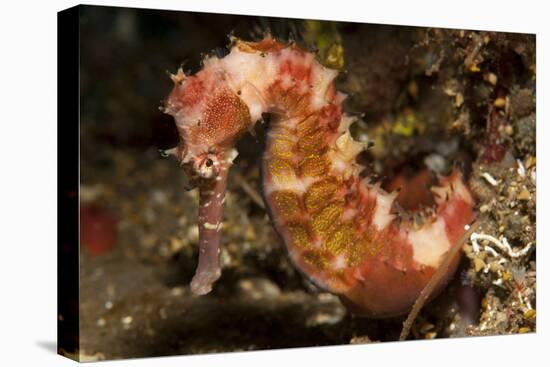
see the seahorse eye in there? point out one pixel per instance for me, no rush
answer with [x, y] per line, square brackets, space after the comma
[208, 167]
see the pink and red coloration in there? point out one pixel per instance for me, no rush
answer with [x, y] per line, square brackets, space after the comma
[340, 230]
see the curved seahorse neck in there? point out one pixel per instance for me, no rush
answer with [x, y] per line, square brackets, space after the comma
[281, 79]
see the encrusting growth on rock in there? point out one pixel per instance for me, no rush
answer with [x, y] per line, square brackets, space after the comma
[340, 229]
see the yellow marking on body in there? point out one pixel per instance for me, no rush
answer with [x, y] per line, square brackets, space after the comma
[287, 203]
[306, 126]
[281, 170]
[314, 166]
[282, 131]
[339, 239]
[325, 219]
[282, 148]
[364, 246]
[320, 193]
[299, 235]
[356, 252]
[374, 248]
[312, 143]
[315, 258]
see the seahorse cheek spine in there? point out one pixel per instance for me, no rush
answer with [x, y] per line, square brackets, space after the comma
[339, 229]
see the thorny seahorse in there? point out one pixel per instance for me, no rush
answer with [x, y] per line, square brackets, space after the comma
[339, 229]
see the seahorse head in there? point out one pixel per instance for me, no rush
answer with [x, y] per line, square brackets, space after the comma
[228, 96]
[209, 117]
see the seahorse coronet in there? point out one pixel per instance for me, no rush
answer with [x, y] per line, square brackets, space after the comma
[339, 229]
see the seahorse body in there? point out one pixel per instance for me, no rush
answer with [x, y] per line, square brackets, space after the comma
[339, 229]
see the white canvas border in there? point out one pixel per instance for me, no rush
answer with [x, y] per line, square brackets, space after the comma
[28, 185]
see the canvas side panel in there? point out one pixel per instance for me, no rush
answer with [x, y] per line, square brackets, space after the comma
[68, 119]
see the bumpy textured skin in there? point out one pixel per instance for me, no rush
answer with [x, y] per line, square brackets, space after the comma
[339, 230]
